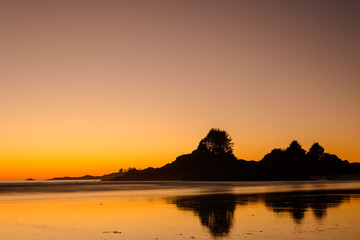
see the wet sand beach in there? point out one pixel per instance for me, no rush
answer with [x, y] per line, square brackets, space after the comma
[179, 210]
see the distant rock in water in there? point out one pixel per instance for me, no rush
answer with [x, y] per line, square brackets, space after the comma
[30, 179]
[213, 160]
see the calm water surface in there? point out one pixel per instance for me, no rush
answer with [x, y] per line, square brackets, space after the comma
[37, 210]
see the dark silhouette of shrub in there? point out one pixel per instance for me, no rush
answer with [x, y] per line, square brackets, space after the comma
[315, 153]
[216, 141]
[295, 152]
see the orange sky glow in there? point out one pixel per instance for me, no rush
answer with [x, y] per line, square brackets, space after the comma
[89, 87]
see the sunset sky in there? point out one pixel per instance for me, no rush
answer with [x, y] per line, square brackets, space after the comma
[89, 87]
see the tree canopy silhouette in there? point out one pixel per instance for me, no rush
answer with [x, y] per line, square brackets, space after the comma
[295, 150]
[316, 152]
[217, 141]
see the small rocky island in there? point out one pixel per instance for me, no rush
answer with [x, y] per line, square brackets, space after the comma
[213, 160]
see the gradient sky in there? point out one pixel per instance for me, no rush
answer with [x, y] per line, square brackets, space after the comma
[89, 87]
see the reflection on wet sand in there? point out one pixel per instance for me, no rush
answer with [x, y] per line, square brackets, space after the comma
[296, 204]
[216, 212]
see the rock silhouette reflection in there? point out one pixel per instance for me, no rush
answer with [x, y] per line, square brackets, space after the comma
[296, 204]
[216, 212]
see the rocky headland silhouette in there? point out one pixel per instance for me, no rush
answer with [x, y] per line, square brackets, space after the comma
[213, 160]
[86, 177]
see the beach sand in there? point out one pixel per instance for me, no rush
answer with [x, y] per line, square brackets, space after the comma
[180, 210]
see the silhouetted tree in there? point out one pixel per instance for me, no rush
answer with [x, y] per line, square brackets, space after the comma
[331, 160]
[216, 141]
[295, 152]
[295, 147]
[276, 156]
[316, 152]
